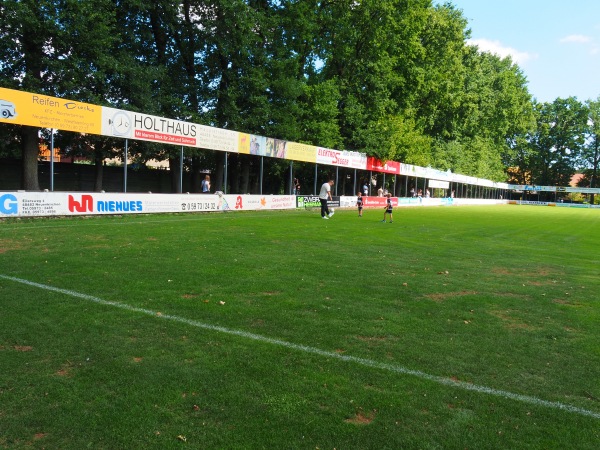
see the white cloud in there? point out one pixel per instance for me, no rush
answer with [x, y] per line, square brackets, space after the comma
[502, 51]
[576, 38]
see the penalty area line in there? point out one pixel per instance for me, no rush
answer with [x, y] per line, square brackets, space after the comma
[316, 351]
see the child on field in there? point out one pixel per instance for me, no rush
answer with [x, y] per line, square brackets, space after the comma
[359, 203]
[388, 208]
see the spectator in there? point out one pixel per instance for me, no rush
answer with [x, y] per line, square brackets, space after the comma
[206, 185]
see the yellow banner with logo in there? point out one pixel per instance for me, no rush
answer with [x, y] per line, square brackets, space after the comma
[37, 110]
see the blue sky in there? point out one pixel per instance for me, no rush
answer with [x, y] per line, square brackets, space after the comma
[556, 43]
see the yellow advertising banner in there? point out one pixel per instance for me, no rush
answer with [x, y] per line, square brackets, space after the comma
[301, 152]
[244, 143]
[37, 110]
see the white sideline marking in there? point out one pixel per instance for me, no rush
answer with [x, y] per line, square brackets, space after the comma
[315, 351]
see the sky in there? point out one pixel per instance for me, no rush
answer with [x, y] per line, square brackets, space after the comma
[556, 43]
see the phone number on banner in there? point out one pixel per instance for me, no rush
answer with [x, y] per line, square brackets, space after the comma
[200, 206]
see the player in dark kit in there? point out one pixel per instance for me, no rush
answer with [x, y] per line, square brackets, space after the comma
[359, 203]
[388, 208]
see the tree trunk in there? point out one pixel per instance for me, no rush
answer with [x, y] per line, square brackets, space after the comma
[234, 173]
[196, 176]
[98, 172]
[30, 152]
[245, 174]
[219, 171]
[174, 171]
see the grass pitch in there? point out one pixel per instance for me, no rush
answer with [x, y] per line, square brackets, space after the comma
[459, 327]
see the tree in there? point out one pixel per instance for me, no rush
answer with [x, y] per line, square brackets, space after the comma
[591, 150]
[59, 48]
[495, 109]
[28, 30]
[558, 141]
[370, 48]
[440, 89]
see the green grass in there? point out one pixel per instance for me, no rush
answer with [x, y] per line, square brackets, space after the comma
[504, 297]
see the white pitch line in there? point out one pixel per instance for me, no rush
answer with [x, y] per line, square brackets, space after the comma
[315, 351]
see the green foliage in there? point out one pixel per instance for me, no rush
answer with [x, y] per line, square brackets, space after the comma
[390, 78]
[591, 150]
[438, 94]
[477, 156]
[319, 115]
[558, 141]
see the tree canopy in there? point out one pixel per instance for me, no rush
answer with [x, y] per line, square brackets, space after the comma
[391, 78]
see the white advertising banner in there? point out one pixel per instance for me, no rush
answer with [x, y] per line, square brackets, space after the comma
[39, 204]
[349, 159]
[126, 124]
[217, 139]
[439, 184]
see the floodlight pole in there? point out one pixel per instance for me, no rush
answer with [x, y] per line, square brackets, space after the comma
[125, 167]
[181, 171]
[226, 167]
[51, 159]
[261, 174]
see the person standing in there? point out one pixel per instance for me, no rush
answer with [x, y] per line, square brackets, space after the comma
[388, 208]
[206, 185]
[324, 196]
[359, 203]
[296, 186]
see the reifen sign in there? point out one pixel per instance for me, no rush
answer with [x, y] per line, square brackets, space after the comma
[25, 108]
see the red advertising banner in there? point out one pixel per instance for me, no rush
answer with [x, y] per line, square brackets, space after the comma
[372, 202]
[387, 167]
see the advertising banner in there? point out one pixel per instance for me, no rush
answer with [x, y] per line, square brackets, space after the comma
[354, 160]
[302, 152]
[424, 172]
[387, 167]
[373, 202]
[36, 110]
[331, 157]
[410, 201]
[583, 190]
[439, 184]
[312, 201]
[38, 204]
[125, 124]
[244, 143]
[358, 160]
[220, 139]
[308, 201]
[529, 187]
